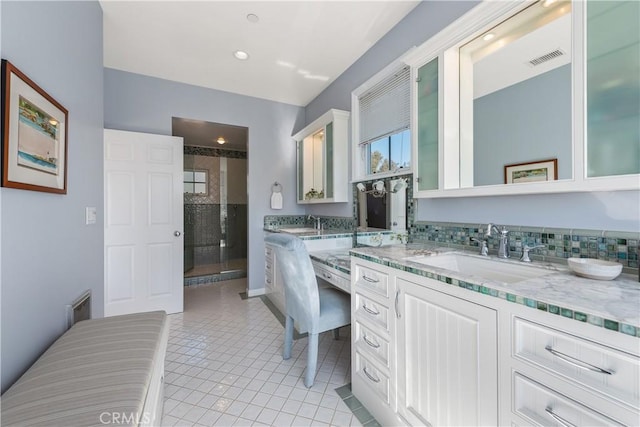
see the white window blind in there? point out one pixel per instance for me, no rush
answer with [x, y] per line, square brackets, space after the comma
[385, 109]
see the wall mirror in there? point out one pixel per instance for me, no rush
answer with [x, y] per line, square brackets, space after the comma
[322, 159]
[516, 99]
[382, 204]
[312, 156]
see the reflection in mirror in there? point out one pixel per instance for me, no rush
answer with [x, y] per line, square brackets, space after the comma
[515, 95]
[613, 88]
[312, 152]
[382, 204]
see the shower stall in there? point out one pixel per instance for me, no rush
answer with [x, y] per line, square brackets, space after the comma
[215, 206]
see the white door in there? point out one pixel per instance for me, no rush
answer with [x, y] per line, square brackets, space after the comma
[143, 199]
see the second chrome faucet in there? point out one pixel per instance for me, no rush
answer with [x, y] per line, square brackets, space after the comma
[503, 235]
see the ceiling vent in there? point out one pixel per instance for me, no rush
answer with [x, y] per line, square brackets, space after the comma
[546, 57]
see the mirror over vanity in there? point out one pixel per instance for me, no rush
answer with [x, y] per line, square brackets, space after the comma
[322, 159]
[529, 97]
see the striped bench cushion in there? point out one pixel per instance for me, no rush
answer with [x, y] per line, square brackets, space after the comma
[98, 367]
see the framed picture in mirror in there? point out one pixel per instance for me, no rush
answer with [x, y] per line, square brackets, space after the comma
[543, 170]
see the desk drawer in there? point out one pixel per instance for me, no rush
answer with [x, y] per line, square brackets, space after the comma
[372, 280]
[371, 312]
[544, 407]
[369, 342]
[604, 369]
[336, 278]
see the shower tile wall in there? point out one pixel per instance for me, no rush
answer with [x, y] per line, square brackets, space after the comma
[202, 213]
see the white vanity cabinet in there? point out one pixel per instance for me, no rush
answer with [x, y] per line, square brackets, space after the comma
[273, 287]
[559, 372]
[425, 352]
[421, 356]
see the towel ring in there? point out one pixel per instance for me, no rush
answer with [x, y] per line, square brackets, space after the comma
[276, 187]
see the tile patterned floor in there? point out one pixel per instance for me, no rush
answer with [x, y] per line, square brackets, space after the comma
[224, 367]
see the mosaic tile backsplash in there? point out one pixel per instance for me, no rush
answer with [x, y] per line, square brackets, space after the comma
[274, 222]
[559, 244]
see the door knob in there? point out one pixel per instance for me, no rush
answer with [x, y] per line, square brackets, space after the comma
[177, 233]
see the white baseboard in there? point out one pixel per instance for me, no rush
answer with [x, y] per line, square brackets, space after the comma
[255, 292]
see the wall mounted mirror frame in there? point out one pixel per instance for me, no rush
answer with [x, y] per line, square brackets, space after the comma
[322, 159]
[455, 165]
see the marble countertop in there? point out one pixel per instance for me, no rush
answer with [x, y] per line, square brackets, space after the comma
[613, 304]
[310, 232]
[335, 258]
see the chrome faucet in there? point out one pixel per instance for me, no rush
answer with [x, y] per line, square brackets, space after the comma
[484, 250]
[503, 247]
[318, 225]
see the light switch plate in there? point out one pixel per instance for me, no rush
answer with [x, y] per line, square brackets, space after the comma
[91, 215]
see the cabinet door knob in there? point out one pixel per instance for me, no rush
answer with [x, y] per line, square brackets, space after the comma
[177, 233]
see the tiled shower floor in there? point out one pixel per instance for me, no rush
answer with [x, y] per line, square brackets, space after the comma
[224, 367]
[217, 268]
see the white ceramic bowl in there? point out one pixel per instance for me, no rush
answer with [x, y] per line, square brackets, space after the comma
[594, 268]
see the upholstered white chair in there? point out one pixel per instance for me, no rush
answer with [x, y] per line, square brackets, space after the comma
[315, 309]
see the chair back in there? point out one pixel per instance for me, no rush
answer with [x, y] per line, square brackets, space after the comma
[300, 283]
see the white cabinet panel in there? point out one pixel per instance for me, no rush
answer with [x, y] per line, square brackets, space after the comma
[447, 359]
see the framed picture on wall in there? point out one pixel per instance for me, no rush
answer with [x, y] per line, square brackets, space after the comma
[543, 170]
[34, 135]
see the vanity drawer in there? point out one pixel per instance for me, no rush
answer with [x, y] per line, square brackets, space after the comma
[371, 343]
[605, 370]
[372, 378]
[371, 312]
[544, 407]
[338, 279]
[372, 280]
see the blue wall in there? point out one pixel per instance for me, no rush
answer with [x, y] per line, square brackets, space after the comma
[618, 211]
[146, 104]
[49, 256]
[524, 122]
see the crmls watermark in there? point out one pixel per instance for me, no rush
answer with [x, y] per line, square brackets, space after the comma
[125, 418]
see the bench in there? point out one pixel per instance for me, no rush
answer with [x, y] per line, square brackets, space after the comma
[100, 372]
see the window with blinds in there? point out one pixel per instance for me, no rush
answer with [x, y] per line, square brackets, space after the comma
[384, 119]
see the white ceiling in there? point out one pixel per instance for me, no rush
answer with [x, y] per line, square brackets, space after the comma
[297, 48]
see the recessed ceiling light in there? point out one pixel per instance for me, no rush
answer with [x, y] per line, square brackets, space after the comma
[252, 17]
[221, 140]
[488, 36]
[241, 55]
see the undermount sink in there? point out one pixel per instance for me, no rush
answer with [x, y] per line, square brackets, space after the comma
[488, 268]
[300, 230]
